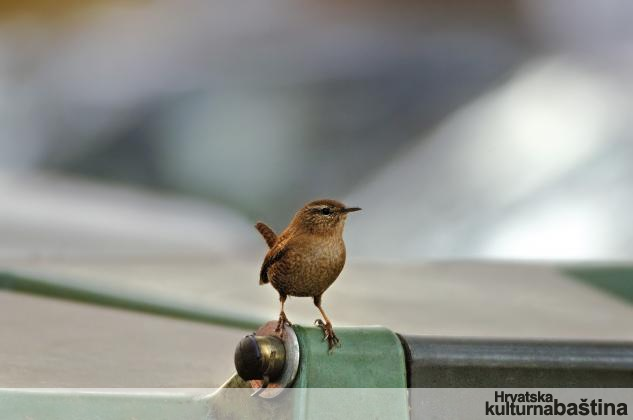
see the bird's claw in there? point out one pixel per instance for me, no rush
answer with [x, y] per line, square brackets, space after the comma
[280, 324]
[328, 334]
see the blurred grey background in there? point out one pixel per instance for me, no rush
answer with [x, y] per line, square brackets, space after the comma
[141, 140]
[497, 129]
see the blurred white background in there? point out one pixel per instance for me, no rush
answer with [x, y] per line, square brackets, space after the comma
[492, 130]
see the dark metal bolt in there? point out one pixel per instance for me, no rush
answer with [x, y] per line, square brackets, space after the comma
[258, 357]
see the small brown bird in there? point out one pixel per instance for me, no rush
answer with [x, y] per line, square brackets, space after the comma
[307, 257]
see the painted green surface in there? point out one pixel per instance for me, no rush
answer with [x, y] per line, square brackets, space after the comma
[104, 296]
[368, 357]
[62, 404]
[616, 280]
[365, 378]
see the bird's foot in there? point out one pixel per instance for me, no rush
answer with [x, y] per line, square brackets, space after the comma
[283, 320]
[328, 334]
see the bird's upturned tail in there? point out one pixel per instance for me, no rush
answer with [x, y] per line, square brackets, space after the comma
[269, 235]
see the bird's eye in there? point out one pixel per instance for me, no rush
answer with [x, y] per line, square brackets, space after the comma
[326, 211]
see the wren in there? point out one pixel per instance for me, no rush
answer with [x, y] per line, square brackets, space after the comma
[307, 257]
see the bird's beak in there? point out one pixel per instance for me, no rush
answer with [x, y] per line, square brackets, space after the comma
[350, 209]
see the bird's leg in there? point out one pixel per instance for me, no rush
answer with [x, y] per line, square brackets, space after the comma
[328, 331]
[282, 316]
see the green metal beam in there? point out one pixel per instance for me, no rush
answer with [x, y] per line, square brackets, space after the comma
[368, 357]
[615, 280]
[133, 301]
[364, 378]
[62, 404]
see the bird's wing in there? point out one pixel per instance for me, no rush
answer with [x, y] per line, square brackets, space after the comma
[273, 256]
[269, 235]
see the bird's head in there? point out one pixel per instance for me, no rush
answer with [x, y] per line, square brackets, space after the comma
[323, 216]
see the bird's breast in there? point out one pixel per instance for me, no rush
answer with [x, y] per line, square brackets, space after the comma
[327, 254]
[317, 263]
